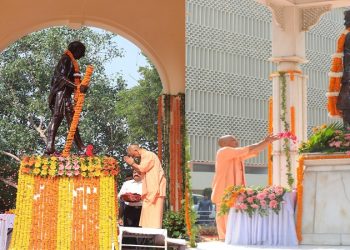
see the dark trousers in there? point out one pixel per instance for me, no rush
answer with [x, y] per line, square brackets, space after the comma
[132, 216]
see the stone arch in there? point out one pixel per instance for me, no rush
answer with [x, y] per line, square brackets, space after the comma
[156, 28]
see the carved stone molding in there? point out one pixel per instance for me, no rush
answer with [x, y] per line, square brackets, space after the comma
[277, 13]
[311, 16]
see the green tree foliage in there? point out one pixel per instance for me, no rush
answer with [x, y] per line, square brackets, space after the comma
[26, 68]
[139, 106]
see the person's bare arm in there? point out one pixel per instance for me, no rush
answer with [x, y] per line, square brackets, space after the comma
[260, 146]
[130, 161]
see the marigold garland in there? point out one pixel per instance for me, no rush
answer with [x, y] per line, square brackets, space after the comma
[335, 76]
[292, 120]
[160, 127]
[76, 75]
[44, 214]
[65, 206]
[23, 221]
[300, 187]
[77, 111]
[107, 214]
[269, 147]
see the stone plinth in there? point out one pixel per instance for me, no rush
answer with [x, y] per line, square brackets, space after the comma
[326, 202]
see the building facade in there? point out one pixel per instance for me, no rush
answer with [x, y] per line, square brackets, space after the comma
[228, 46]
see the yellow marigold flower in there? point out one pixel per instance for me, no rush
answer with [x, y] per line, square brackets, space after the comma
[53, 158]
[91, 174]
[83, 167]
[37, 164]
[36, 171]
[43, 172]
[83, 174]
[97, 173]
[52, 172]
[45, 167]
[45, 161]
[91, 168]
[53, 165]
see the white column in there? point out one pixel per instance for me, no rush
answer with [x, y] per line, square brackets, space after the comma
[296, 96]
[288, 52]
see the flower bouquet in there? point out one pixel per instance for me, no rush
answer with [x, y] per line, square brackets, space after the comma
[251, 200]
[327, 139]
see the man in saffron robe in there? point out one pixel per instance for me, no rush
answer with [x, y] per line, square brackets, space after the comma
[153, 185]
[229, 170]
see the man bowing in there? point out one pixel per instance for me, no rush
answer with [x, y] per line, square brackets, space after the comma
[153, 185]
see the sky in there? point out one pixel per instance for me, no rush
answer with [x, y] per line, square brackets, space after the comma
[127, 65]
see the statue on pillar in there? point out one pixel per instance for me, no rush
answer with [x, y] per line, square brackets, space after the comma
[65, 80]
[343, 102]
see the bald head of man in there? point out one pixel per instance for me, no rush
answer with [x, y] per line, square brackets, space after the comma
[134, 150]
[228, 141]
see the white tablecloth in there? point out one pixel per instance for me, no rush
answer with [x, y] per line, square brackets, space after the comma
[271, 230]
[6, 222]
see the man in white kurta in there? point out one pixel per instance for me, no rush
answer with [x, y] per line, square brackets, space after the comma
[153, 185]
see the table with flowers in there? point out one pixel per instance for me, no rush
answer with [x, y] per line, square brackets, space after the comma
[261, 216]
[6, 222]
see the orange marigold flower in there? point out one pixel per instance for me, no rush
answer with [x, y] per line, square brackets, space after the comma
[114, 172]
[26, 170]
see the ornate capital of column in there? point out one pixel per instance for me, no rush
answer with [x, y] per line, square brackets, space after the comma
[311, 15]
[277, 13]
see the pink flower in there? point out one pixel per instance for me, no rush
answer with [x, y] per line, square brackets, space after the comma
[68, 167]
[261, 196]
[61, 167]
[69, 173]
[241, 198]
[279, 190]
[76, 172]
[243, 206]
[238, 206]
[60, 172]
[272, 196]
[273, 204]
[337, 144]
[76, 167]
[250, 199]
[255, 206]
[347, 152]
[250, 191]
[263, 203]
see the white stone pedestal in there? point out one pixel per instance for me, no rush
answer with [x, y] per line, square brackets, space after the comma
[326, 202]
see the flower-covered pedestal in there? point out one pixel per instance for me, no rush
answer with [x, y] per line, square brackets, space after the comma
[325, 199]
[66, 203]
